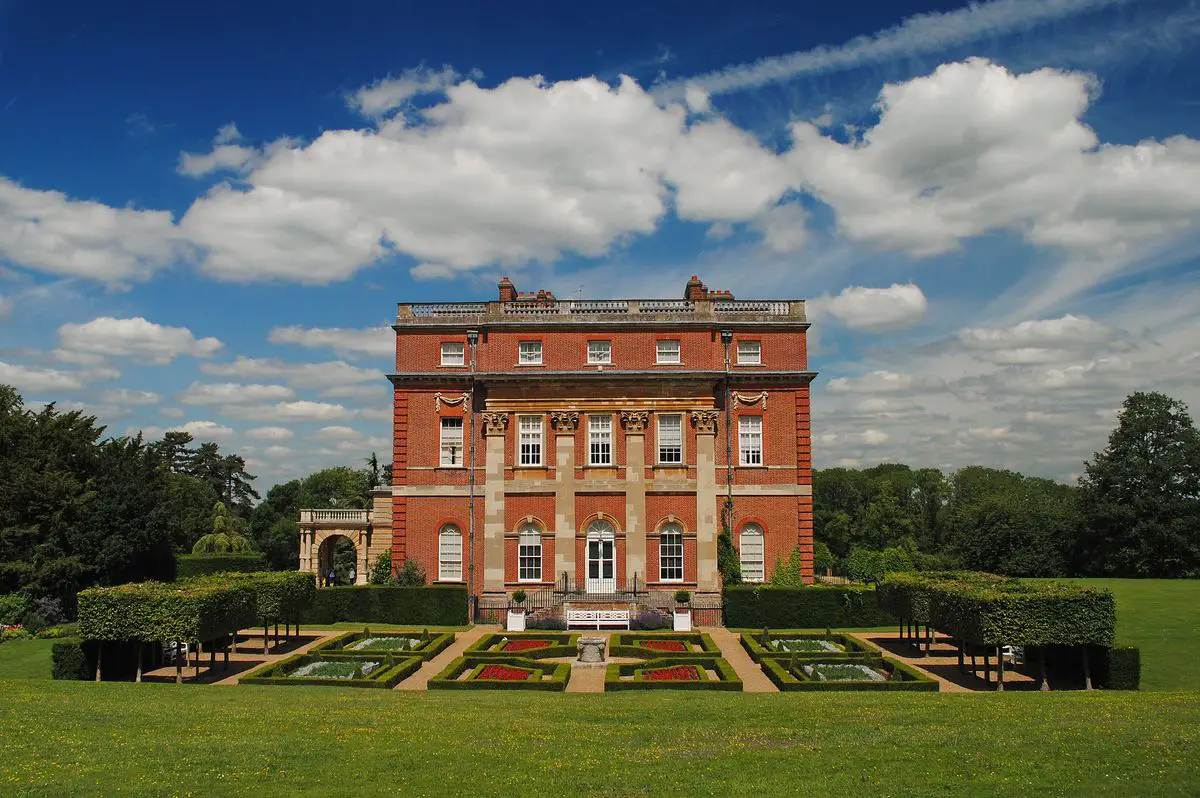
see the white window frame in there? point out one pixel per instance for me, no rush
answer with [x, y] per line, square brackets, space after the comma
[450, 544]
[529, 537]
[601, 355]
[448, 423]
[750, 440]
[530, 440]
[749, 353]
[452, 358]
[600, 438]
[529, 353]
[662, 445]
[670, 359]
[754, 565]
[670, 549]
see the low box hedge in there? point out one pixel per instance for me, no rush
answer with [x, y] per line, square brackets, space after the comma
[448, 679]
[385, 677]
[626, 644]
[812, 607]
[430, 648]
[1122, 668]
[777, 670]
[757, 651]
[562, 644]
[727, 677]
[190, 565]
[432, 605]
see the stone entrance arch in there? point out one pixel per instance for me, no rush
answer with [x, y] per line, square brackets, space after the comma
[327, 544]
[320, 530]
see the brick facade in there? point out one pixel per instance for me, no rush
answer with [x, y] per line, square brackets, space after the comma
[462, 363]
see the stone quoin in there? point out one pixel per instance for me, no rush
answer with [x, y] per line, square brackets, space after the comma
[599, 441]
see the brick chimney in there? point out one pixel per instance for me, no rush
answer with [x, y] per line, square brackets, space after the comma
[508, 291]
[694, 290]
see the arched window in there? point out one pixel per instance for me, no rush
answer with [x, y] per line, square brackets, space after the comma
[751, 550]
[601, 557]
[529, 553]
[670, 553]
[450, 554]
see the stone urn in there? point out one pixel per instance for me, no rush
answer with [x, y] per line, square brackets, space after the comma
[591, 650]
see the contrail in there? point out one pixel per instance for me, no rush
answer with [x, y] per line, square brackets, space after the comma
[921, 33]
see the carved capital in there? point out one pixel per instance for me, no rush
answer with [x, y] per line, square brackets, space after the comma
[635, 420]
[705, 421]
[494, 423]
[564, 421]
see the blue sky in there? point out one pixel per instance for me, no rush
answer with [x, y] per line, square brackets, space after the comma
[208, 214]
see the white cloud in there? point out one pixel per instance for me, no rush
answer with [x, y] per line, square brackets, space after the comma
[337, 432]
[172, 412]
[37, 380]
[784, 227]
[873, 382]
[228, 155]
[388, 94]
[876, 309]
[333, 374]
[144, 341]
[129, 396]
[915, 35]
[228, 393]
[278, 451]
[270, 434]
[866, 437]
[1036, 341]
[374, 341]
[49, 232]
[973, 148]
[203, 430]
[299, 410]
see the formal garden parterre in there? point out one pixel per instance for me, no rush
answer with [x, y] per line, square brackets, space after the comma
[502, 672]
[689, 672]
[336, 670]
[418, 643]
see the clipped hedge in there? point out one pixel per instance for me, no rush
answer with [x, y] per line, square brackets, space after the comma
[192, 565]
[69, 661]
[279, 596]
[625, 644]
[434, 605]
[1112, 667]
[778, 671]
[448, 679]
[75, 659]
[811, 607]
[385, 677]
[156, 611]
[562, 644]
[757, 651]
[728, 679]
[434, 645]
[1122, 668]
[987, 610]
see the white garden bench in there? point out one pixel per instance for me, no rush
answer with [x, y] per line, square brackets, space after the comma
[617, 619]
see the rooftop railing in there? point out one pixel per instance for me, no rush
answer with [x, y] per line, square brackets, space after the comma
[565, 309]
[331, 516]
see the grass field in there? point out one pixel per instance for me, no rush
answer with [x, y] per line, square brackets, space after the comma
[83, 738]
[25, 659]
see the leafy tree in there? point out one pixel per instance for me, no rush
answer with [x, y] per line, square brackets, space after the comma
[728, 563]
[189, 507]
[381, 569]
[411, 574]
[1140, 497]
[226, 535]
[823, 560]
[1026, 528]
[788, 572]
[884, 521]
[174, 449]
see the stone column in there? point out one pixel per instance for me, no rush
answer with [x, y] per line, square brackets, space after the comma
[705, 422]
[635, 422]
[565, 423]
[494, 426]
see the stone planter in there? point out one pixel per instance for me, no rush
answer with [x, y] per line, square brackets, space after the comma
[682, 618]
[591, 650]
[516, 621]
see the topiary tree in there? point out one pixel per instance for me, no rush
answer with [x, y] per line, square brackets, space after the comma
[728, 564]
[226, 535]
[381, 570]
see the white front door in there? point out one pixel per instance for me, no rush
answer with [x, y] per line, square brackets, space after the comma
[601, 564]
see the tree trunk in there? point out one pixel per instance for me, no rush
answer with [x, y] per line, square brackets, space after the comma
[196, 663]
[276, 635]
[928, 639]
[226, 663]
[961, 664]
[178, 663]
[999, 669]
[212, 658]
[1087, 670]
[99, 654]
[987, 667]
[266, 639]
[1045, 685]
[141, 648]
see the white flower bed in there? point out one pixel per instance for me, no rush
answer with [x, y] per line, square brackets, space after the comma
[843, 672]
[805, 644]
[386, 643]
[326, 669]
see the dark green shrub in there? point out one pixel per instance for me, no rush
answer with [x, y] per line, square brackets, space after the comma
[436, 605]
[1124, 668]
[13, 607]
[68, 661]
[812, 607]
[189, 565]
[381, 569]
[75, 659]
[411, 574]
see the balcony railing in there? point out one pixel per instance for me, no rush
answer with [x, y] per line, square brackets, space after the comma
[564, 310]
[347, 517]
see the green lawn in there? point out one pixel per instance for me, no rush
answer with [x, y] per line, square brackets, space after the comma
[83, 738]
[1159, 617]
[25, 659]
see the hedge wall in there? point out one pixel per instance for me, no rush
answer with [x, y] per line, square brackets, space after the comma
[814, 607]
[75, 659]
[436, 644]
[776, 669]
[279, 596]
[1112, 667]
[155, 611]
[756, 650]
[435, 605]
[190, 565]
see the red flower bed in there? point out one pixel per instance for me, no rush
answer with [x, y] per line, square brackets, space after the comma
[679, 673]
[672, 646]
[504, 673]
[524, 645]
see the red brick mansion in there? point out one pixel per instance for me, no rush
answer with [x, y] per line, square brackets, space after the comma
[539, 440]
